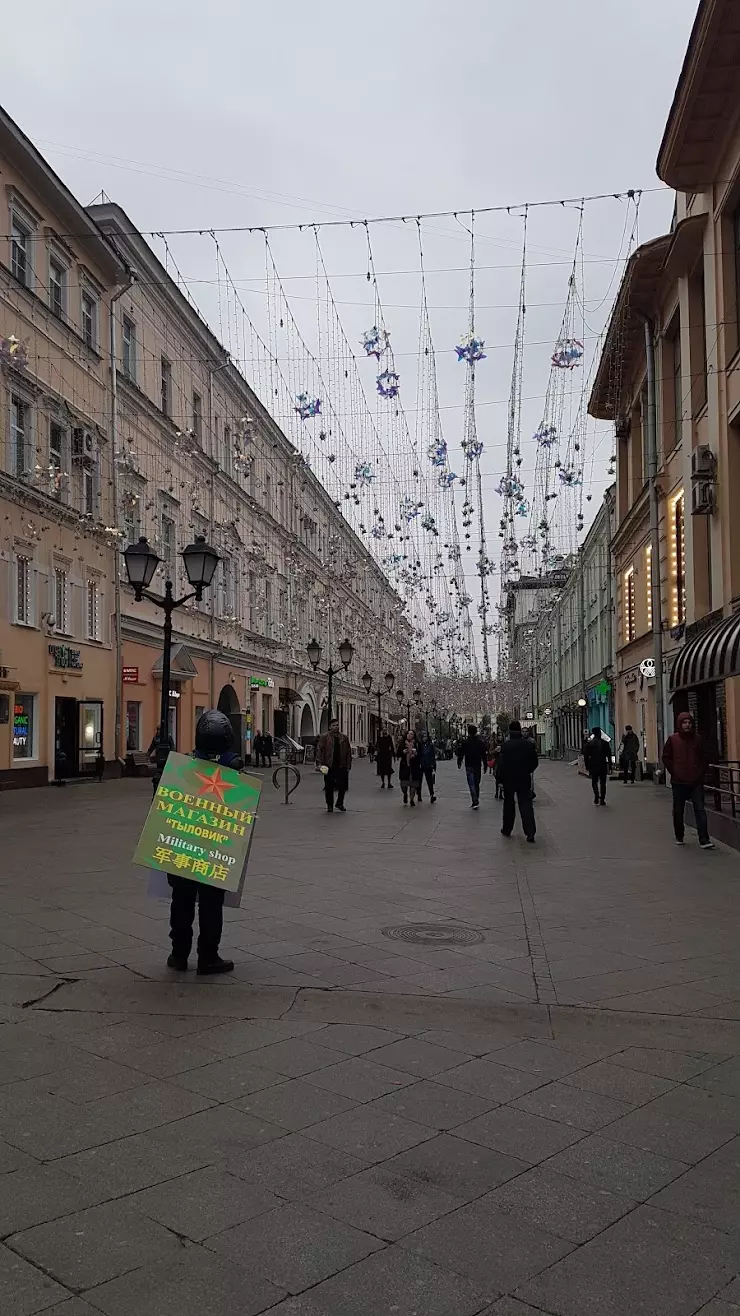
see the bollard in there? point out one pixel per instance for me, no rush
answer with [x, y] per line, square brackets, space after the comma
[286, 768]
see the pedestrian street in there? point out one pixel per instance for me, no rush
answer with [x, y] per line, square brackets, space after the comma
[452, 1073]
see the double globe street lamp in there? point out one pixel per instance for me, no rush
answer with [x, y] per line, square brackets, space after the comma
[346, 654]
[416, 696]
[141, 563]
[367, 681]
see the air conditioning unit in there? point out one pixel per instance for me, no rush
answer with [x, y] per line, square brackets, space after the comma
[702, 498]
[703, 462]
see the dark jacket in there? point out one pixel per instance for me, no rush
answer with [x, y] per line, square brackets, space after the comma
[325, 751]
[385, 753]
[427, 755]
[473, 751]
[517, 760]
[630, 745]
[597, 755]
[684, 755]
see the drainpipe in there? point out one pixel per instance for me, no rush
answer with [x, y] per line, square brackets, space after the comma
[652, 455]
[114, 442]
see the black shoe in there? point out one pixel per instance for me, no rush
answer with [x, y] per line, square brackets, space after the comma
[531, 840]
[390, 785]
[433, 799]
[341, 808]
[179, 962]
[503, 833]
[596, 801]
[330, 808]
[382, 785]
[216, 965]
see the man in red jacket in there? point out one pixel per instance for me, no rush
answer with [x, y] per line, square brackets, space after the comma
[685, 759]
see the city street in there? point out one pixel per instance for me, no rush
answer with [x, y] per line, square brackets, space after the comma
[451, 1074]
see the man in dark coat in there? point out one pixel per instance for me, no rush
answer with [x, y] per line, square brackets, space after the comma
[334, 757]
[385, 752]
[473, 752]
[515, 765]
[597, 757]
[686, 760]
[628, 756]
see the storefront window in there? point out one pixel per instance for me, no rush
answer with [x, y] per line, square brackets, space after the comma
[133, 726]
[23, 726]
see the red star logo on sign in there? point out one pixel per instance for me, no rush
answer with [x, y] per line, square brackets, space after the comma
[214, 785]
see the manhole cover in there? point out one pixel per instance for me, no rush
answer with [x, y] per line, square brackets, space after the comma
[434, 934]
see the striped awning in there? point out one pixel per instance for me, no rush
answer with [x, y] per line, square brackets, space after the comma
[710, 656]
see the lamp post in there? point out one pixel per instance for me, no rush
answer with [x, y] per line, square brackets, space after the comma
[346, 653]
[400, 697]
[141, 563]
[582, 704]
[416, 696]
[367, 681]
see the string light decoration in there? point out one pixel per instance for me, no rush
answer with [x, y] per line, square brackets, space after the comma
[546, 436]
[470, 349]
[376, 342]
[388, 384]
[14, 352]
[306, 406]
[568, 354]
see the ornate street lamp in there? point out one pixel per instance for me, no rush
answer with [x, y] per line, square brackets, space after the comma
[367, 681]
[346, 654]
[200, 562]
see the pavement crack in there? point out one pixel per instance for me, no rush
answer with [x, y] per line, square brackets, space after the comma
[296, 994]
[63, 982]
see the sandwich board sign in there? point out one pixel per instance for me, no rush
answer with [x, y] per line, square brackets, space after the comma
[200, 825]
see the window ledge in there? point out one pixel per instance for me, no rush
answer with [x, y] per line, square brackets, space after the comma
[26, 625]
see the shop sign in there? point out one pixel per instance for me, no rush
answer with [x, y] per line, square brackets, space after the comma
[21, 730]
[599, 692]
[65, 657]
[130, 675]
[262, 683]
[647, 668]
[201, 823]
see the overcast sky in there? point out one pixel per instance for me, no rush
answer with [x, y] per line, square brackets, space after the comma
[237, 113]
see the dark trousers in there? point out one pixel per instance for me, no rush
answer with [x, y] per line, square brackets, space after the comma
[473, 783]
[210, 901]
[335, 782]
[628, 769]
[523, 798]
[429, 779]
[681, 796]
[598, 781]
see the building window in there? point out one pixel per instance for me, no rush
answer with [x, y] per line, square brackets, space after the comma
[88, 491]
[57, 287]
[133, 725]
[93, 610]
[169, 546]
[128, 345]
[24, 726]
[23, 595]
[228, 589]
[677, 386]
[131, 517]
[60, 599]
[649, 584]
[629, 605]
[678, 559]
[166, 387]
[56, 460]
[227, 450]
[736, 269]
[197, 416]
[19, 435]
[90, 320]
[268, 608]
[19, 252]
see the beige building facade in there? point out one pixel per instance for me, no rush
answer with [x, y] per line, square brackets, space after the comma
[57, 546]
[686, 287]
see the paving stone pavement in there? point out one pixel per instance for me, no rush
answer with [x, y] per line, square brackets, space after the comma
[541, 1117]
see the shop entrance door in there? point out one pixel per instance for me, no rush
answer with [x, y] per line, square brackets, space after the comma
[65, 738]
[90, 735]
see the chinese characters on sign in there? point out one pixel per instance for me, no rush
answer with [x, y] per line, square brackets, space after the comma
[65, 657]
[201, 822]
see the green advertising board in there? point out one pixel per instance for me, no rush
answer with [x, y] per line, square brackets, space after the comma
[201, 823]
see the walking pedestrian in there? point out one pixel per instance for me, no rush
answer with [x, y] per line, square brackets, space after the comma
[268, 749]
[409, 769]
[385, 752]
[428, 765]
[214, 740]
[157, 753]
[334, 758]
[515, 766]
[473, 753]
[517, 760]
[686, 760]
[628, 752]
[597, 756]
[259, 749]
